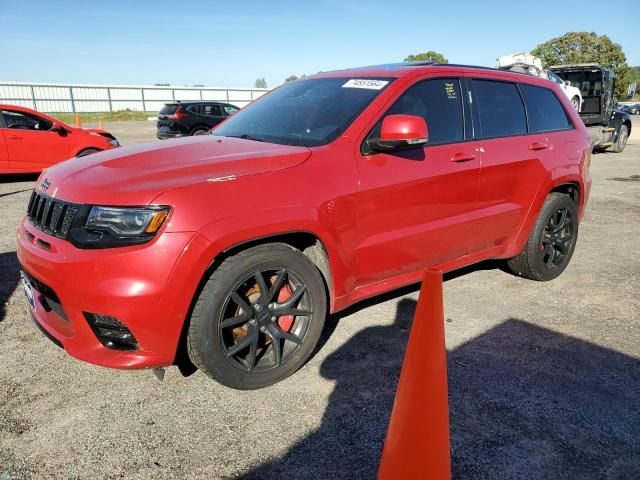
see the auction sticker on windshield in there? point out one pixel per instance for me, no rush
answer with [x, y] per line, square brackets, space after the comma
[364, 83]
[28, 291]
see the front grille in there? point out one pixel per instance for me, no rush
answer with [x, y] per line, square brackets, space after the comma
[51, 215]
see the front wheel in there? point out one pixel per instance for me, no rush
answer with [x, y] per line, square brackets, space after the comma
[575, 103]
[623, 136]
[200, 131]
[551, 242]
[258, 317]
[87, 151]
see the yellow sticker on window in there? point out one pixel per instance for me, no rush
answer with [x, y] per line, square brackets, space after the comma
[450, 89]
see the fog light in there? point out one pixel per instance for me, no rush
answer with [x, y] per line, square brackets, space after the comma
[111, 332]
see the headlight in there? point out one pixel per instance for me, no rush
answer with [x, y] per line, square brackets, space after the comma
[114, 143]
[126, 221]
[107, 227]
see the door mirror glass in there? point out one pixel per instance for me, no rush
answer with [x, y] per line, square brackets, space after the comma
[400, 132]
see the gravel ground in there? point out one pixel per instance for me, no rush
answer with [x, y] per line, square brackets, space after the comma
[544, 378]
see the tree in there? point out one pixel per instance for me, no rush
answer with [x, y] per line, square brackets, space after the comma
[427, 56]
[291, 78]
[587, 47]
[261, 83]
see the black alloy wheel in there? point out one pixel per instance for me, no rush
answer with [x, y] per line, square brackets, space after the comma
[258, 317]
[265, 319]
[551, 241]
[557, 238]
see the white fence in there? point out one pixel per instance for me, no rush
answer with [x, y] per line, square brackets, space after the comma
[63, 98]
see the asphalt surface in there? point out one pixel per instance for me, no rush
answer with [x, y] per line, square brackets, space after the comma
[544, 378]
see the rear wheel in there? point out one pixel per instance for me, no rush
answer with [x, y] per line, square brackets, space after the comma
[551, 242]
[258, 318]
[200, 131]
[623, 136]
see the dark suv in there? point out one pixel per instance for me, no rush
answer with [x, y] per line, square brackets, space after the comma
[182, 119]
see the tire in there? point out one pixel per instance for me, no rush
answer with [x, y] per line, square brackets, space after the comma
[87, 151]
[551, 242]
[235, 326]
[200, 131]
[623, 136]
[575, 103]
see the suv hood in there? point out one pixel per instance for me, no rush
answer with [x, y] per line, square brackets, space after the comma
[136, 175]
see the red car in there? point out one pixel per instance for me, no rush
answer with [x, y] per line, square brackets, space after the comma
[31, 141]
[231, 248]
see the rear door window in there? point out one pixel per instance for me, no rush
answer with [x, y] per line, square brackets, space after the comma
[212, 110]
[500, 109]
[544, 110]
[193, 109]
[439, 102]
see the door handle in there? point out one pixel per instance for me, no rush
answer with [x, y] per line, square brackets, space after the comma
[14, 137]
[537, 146]
[463, 157]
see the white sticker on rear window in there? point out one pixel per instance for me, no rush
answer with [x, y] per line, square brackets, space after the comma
[364, 83]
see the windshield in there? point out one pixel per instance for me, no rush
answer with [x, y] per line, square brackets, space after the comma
[305, 113]
[553, 77]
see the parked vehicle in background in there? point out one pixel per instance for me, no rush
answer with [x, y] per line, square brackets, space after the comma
[573, 94]
[231, 248]
[609, 128]
[31, 141]
[532, 65]
[631, 109]
[182, 119]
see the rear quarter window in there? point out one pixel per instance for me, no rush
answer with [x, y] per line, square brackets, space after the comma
[500, 109]
[168, 109]
[212, 110]
[544, 110]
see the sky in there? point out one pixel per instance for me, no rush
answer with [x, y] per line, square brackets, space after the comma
[231, 44]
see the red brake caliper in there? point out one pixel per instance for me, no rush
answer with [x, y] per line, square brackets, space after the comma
[286, 321]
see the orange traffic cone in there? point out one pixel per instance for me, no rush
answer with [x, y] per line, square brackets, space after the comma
[100, 124]
[417, 443]
[78, 123]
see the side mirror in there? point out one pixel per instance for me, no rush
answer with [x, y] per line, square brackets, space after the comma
[56, 127]
[400, 132]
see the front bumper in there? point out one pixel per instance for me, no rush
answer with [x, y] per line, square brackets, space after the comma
[134, 284]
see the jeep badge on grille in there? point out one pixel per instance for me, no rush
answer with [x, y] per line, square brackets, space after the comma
[45, 184]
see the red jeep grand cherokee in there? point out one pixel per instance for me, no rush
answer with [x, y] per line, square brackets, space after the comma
[233, 247]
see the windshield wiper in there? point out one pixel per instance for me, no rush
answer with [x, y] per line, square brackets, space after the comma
[245, 136]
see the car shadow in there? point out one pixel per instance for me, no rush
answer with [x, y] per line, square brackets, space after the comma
[525, 402]
[332, 320]
[7, 194]
[9, 276]
[21, 177]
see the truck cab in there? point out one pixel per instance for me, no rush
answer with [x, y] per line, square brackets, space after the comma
[609, 128]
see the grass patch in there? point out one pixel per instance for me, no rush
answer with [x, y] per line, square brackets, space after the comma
[120, 116]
